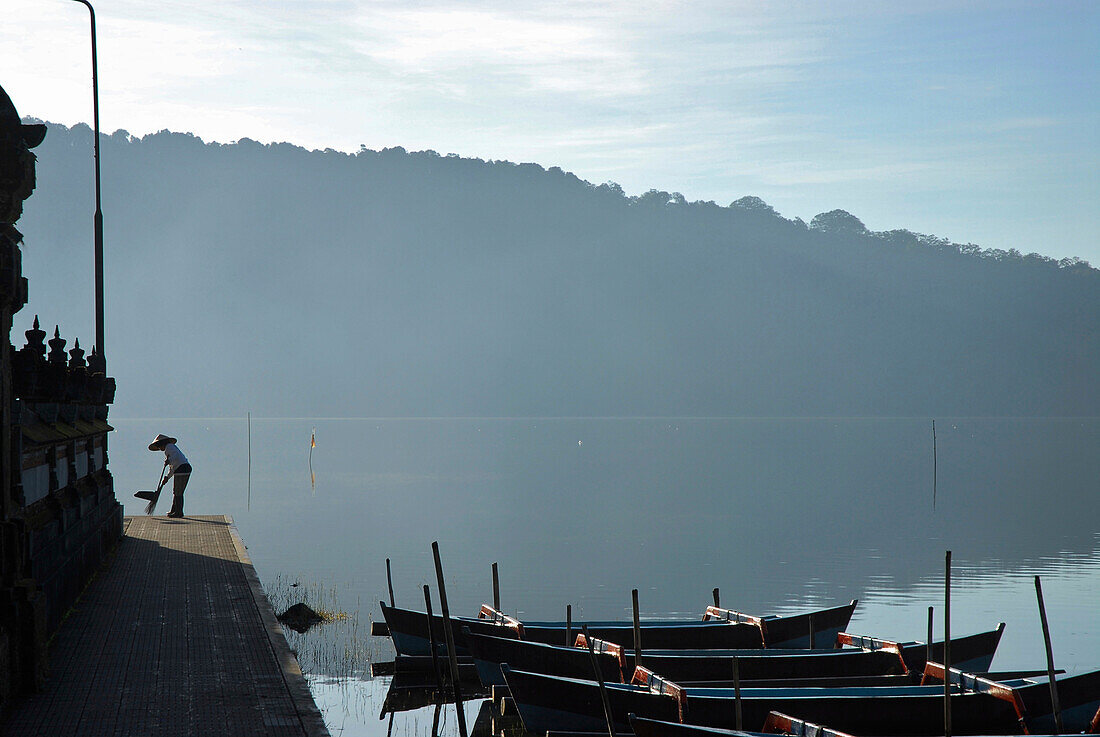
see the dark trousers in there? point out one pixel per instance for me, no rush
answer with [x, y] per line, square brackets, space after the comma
[179, 483]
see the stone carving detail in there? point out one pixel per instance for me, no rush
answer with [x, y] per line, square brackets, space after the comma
[57, 377]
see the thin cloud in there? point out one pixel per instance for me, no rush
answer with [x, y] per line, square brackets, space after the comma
[540, 54]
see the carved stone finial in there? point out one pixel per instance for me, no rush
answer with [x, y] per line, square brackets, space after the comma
[35, 338]
[57, 347]
[76, 356]
[96, 364]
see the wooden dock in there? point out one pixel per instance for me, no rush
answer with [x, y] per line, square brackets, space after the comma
[173, 637]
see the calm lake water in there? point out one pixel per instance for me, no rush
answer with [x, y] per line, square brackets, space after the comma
[780, 514]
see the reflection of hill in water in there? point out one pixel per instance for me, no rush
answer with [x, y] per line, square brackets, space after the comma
[774, 512]
[766, 508]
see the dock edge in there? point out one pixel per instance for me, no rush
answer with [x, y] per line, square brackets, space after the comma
[304, 705]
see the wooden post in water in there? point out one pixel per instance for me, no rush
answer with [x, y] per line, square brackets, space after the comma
[569, 625]
[935, 466]
[435, 718]
[737, 695]
[715, 594]
[431, 639]
[1050, 658]
[599, 679]
[637, 630]
[249, 504]
[928, 642]
[389, 582]
[947, 646]
[450, 637]
[496, 589]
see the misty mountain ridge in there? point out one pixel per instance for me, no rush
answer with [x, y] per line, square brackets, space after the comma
[287, 282]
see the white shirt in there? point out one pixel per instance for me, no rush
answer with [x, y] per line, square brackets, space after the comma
[174, 456]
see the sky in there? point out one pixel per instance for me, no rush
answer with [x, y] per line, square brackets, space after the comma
[971, 120]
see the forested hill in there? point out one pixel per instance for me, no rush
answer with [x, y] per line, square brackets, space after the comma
[290, 282]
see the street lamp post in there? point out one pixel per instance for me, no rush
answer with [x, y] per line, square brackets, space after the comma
[98, 209]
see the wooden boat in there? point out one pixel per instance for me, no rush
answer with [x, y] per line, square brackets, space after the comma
[719, 628]
[978, 706]
[776, 723]
[864, 657]
[655, 728]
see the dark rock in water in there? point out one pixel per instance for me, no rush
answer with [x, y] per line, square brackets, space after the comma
[300, 617]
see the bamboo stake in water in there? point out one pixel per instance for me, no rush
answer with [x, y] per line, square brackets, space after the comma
[637, 630]
[431, 639]
[935, 466]
[737, 695]
[496, 589]
[569, 625]
[449, 635]
[249, 507]
[599, 679]
[1050, 658]
[947, 646]
[312, 445]
[435, 718]
[389, 582]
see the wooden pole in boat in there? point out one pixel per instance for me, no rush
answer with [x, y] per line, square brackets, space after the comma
[496, 589]
[1050, 657]
[737, 695]
[928, 642]
[450, 637]
[947, 646]
[637, 630]
[569, 625]
[431, 638]
[599, 679]
[715, 594]
[389, 581]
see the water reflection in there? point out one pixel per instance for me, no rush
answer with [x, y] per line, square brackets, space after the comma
[781, 514]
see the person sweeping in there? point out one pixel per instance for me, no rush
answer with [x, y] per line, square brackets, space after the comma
[178, 469]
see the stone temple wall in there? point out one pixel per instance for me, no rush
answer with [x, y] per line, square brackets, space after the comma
[59, 518]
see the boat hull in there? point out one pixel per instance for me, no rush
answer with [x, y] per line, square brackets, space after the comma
[706, 666]
[549, 703]
[409, 631]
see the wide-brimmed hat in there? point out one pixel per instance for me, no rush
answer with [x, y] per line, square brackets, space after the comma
[31, 133]
[160, 441]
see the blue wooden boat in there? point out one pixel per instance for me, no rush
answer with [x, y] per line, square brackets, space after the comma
[795, 727]
[775, 724]
[979, 706]
[862, 657]
[719, 628]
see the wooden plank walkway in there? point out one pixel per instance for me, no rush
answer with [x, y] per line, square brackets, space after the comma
[174, 637]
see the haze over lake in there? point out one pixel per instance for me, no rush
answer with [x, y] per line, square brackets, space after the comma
[599, 392]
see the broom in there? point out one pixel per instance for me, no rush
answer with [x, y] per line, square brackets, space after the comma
[155, 494]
